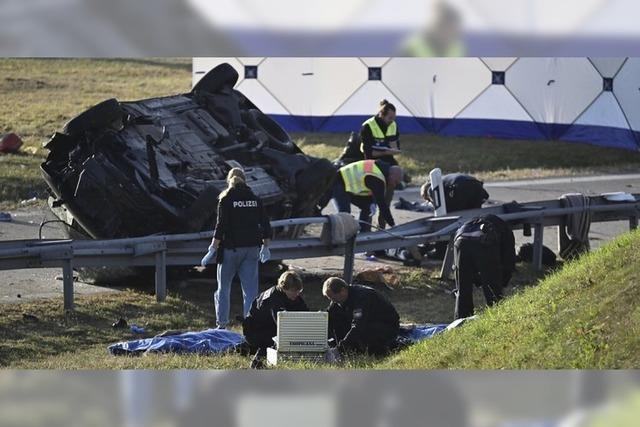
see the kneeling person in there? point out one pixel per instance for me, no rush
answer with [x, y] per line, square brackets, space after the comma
[361, 319]
[260, 326]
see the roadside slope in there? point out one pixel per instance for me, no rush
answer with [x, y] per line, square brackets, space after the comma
[585, 316]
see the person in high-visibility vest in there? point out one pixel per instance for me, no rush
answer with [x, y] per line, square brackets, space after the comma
[380, 140]
[379, 136]
[364, 183]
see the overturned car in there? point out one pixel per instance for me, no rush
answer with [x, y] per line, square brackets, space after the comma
[124, 169]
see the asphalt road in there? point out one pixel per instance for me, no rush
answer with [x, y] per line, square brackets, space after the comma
[42, 283]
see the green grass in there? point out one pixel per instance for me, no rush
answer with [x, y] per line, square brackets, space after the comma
[490, 159]
[586, 316]
[79, 340]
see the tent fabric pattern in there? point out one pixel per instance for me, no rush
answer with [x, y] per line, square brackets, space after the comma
[586, 100]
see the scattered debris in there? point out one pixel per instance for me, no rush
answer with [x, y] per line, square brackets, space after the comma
[136, 329]
[60, 277]
[10, 143]
[5, 217]
[384, 276]
[30, 150]
[30, 317]
[28, 201]
[120, 323]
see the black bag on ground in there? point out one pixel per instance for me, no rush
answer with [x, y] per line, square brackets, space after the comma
[525, 253]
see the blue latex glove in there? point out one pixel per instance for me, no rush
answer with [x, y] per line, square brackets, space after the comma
[209, 256]
[265, 254]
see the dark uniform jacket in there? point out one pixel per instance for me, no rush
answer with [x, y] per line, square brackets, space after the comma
[263, 315]
[492, 230]
[242, 220]
[463, 192]
[366, 308]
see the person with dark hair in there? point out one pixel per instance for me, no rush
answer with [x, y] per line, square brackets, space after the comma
[260, 325]
[484, 255]
[242, 225]
[379, 134]
[380, 140]
[364, 183]
[361, 319]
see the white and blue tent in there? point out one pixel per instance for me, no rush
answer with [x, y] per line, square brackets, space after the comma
[590, 100]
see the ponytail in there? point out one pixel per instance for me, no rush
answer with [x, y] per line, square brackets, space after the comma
[235, 177]
[385, 107]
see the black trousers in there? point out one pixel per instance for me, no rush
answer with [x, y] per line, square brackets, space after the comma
[375, 338]
[258, 339]
[476, 264]
[344, 200]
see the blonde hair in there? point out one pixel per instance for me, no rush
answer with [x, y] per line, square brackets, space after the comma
[235, 177]
[289, 280]
[334, 284]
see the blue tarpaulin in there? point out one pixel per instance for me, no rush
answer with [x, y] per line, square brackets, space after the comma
[210, 341]
[214, 341]
[421, 332]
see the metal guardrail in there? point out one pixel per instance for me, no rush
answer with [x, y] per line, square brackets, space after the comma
[160, 251]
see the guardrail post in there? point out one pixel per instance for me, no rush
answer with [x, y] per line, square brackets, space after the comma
[67, 284]
[633, 222]
[161, 276]
[538, 231]
[349, 259]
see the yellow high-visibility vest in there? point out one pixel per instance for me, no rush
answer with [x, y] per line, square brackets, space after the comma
[379, 136]
[354, 174]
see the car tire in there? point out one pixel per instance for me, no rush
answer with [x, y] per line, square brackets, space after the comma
[278, 138]
[220, 76]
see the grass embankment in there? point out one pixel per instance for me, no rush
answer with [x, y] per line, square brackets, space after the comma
[79, 340]
[586, 316]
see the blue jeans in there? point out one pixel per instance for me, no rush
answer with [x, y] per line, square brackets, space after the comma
[244, 262]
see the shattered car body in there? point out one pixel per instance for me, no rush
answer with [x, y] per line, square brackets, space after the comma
[124, 169]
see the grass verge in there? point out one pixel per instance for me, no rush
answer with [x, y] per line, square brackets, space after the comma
[79, 340]
[587, 316]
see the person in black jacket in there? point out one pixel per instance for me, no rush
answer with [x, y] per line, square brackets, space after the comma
[242, 226]
[361, 319]
[260, 325]
[461, 192]
[484, 255]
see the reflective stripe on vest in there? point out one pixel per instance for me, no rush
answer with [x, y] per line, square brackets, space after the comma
[354, 174]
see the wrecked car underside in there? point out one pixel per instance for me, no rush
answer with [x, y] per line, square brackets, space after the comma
[124, 169]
